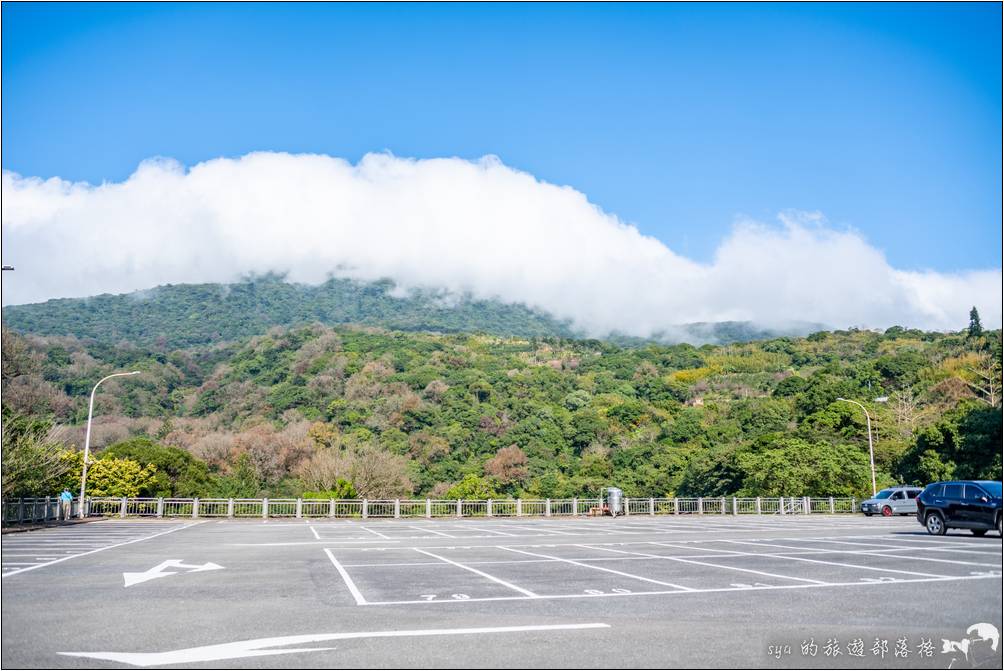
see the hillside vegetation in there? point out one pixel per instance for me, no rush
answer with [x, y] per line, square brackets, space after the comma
[364, 411]
[187, 315]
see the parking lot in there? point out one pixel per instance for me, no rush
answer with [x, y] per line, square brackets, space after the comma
[764, 591]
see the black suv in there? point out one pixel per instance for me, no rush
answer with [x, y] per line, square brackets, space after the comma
[964, 504]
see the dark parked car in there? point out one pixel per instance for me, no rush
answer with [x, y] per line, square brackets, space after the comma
[963, 504]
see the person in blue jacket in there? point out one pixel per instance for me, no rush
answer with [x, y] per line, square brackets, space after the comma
[66, 501]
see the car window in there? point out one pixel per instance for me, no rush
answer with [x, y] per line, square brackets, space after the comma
[974, 493]
[994, 488]
[935, 490]
[953, 491]
[896, 497]
[884, 494]
[913, 493]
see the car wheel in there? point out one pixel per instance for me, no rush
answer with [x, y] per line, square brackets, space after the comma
[887, 512]
[979, 532]
[935, 524]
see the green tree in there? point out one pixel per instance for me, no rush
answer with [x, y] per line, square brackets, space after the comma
[343, 489]
[473, 488]
[34, 462]
[975, 329]
[178, 473]
[111, 476]
[796, 467]
[242, 482]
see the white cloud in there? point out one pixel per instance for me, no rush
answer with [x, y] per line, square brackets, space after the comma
[475, 226]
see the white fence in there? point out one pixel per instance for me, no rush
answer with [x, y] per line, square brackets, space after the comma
[16, 511]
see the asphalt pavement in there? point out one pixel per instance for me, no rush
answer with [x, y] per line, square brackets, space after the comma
[682, 591]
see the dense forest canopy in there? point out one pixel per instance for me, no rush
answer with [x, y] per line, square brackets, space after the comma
[364, 411]
[186, 315]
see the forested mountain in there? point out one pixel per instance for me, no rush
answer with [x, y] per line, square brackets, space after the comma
[184, 315]
[366, 411]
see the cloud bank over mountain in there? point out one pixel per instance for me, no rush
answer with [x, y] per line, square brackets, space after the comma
[463, 226]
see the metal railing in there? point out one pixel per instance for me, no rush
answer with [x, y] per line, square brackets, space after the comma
[17, 511]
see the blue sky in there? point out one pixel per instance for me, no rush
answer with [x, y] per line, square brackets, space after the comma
[678, 118]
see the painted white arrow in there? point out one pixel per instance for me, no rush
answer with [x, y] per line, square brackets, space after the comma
[253, 647]
[159, 572]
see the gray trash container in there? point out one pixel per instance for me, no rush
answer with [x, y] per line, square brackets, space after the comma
[615, 501]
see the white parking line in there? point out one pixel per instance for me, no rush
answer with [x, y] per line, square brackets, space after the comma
[548, 531]
[356, 594]
[675, 592]
[833, 563]
[106, 547]
[600, 568]
[377, 533]
[721, 566]
[943, 546]
[884, 550]
[525, 592]
[493, 531]
[431, 531]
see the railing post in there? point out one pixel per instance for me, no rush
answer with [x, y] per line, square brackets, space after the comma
[676, 505]
[45, 513]
[723, 505]
[519, 507]
[195, 508]
[264, 509]
[759, 509]
[428, 508]
[230, 507]
[488, 508]
[700, 505]
[397, 508]
[331, 507]
[807, 505]
[735, 508]
[627, 506]
[299, 508]
[651, 506]
[460, 508]
[160, 506]
[780, 506]
[366, 508]
[832, 508]
[123, 507]
[547, 508]
[575, 506]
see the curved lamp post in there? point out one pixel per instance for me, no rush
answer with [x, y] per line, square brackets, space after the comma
[871, 448]
[87, 438]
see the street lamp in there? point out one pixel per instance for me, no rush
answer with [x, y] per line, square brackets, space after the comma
[87, 438]
[871, 448]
